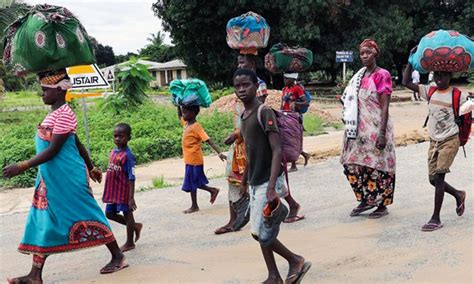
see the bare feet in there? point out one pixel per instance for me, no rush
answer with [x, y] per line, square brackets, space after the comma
[138, 229]
[27, 279]
[306, 157]
[214, 194]
[127, 247]
[116, 264]
[191, 210]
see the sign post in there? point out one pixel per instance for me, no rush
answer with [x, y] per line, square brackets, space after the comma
[85, 77]
[344, 56]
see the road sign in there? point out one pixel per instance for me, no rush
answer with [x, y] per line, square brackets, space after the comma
[109, 75]
[344, 56]
[86, 77]
[70, 96]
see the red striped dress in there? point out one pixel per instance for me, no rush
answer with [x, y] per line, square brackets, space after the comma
[119, 172]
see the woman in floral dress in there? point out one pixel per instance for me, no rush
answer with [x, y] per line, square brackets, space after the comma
[368, 152]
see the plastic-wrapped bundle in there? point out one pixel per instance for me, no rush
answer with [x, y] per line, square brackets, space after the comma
[190, 92]
[46, 38]
[282, 58]
[443, 50]
[248, 32]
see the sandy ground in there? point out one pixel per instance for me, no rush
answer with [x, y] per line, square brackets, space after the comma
[179, 248]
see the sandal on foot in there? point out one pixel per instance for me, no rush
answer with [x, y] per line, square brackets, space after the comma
[378, 214]
[296, 278]
[429, 227]
[460, 208]
[111, 268]
[356, 211]
[223, 230]
[292, 219]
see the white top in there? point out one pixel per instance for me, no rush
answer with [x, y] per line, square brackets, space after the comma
[441, 123]
[415, 77]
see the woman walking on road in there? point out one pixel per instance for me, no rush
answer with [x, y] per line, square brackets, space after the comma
[368, 152]
[64, 215]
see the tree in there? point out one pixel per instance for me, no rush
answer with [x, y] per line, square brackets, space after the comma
[134, 80]
[324, 26]
[122, 58]
[104, 55]
[157, 50]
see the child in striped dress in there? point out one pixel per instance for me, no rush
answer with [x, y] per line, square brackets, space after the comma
[120, 186]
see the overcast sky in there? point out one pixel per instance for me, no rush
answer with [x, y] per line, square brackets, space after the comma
[124, 25]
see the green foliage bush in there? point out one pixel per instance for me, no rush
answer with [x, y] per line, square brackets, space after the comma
[156, 134]
[17, 130]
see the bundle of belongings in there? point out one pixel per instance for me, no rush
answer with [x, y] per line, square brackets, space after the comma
[442, 50]
[46, 38]
[248, 33]
[283, 58]
[190, 92]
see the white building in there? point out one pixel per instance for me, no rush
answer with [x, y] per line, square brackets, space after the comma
[163, 73]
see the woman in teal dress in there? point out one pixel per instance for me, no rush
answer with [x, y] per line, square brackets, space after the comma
[64, 215]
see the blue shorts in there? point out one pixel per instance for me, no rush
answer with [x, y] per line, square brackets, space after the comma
[194, 178]
[114, 207]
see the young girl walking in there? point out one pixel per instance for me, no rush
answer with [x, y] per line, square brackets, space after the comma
[194, 177]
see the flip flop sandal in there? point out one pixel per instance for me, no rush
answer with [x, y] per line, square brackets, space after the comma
[460, 208]
[114, 268]
[223, 230]
[356, 211]
[430, 227]
[378, 214]
[300, 275]
[292, 219]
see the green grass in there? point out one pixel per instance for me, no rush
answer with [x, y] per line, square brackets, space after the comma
[313, 124]
[20, 99]
[159, 182]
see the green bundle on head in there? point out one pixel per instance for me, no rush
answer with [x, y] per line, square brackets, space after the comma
[190, 92]
[46, 38]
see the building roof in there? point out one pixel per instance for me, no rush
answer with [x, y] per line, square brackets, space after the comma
[154, 66]
[173, 64]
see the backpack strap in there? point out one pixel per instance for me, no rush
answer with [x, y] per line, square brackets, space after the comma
[457, 118]
[259, 116]
[456, 103]
[284, 161]
[431, 91]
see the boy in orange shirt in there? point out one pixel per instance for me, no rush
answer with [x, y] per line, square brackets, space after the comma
[194, 176]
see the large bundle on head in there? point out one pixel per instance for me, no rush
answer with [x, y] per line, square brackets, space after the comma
[282, 58]
[248, 33]
[190, 92]
[46, 38]
[443, 50]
